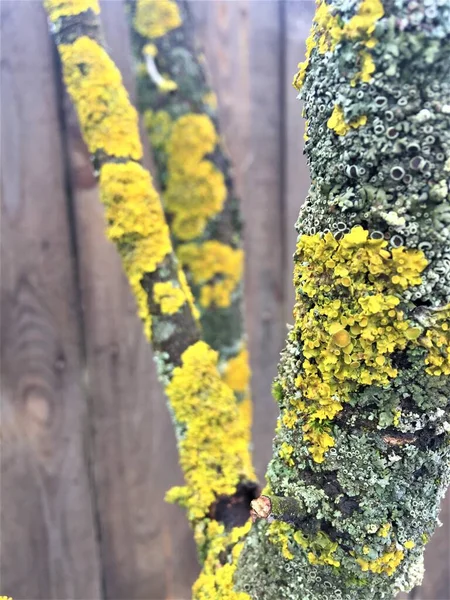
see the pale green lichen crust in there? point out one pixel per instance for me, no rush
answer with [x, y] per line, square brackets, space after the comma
[362, 442]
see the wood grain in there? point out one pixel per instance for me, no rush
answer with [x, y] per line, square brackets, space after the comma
[49, 545]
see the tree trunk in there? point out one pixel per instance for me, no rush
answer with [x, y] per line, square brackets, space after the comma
[362, 444]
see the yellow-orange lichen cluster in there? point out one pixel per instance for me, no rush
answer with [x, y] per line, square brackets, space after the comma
[108, 120]
[155, 18]
[196, 189]
[214, 453]
[214, 266]
[348, 319]
[216, 579]
[329, 29]
[69, 8]
[136, 223]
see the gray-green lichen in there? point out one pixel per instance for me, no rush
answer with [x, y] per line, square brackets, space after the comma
[377, 97]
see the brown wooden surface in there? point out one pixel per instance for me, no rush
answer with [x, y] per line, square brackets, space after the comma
[88, 447]
[48, 533]
[243, 48]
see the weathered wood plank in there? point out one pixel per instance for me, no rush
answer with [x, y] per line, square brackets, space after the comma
[436, 583]
[297, 18]
[48, 535]
[147, 550]
[242, 48]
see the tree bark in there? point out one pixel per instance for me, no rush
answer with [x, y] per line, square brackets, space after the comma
[362, 444]
[195, 176]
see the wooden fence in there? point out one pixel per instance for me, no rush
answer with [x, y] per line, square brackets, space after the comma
[87, 446]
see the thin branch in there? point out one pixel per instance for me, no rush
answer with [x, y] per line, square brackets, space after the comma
[212, 442]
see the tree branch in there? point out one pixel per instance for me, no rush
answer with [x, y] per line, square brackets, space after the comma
[212, 442]
[194, 173]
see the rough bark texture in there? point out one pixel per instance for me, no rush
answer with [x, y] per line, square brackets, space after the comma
[212, 440]
[194, 174]
[362, 443]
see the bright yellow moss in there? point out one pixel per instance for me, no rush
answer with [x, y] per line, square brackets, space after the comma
[155, 18]
[337, 123]
[214, 454]
[196, 189]
[329, 29]
[170, 297]
[216, 267]
[136, 223]
[108, 121]
[216, 580]
[237, 371]
[69, 8]
[348, 319]
[386, 563]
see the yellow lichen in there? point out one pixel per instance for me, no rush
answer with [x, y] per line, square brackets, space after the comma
[167, 85]
[214, 266]
[188, 293]
[69, 8]
[196, 189]
[155, 18]
[108, 120]
[136, 223]
[236, 374]
[348, 320]
[290, 419]
[216, 579]
[285, 452]
[320, 549]
[170, 297]
[214, 454]
[366, 71]
[159, 126]
[237, 371]
[210, 99]
[280, 534]
[337, 123]
[329, 29]
[150, 49]
[386, 563]
[437, 341]
[409, 544]
[384, 530]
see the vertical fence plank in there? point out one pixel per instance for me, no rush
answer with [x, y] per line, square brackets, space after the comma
[297, 18]
[242, 47]
[436, 583]
[147, 549]
[49, 545]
